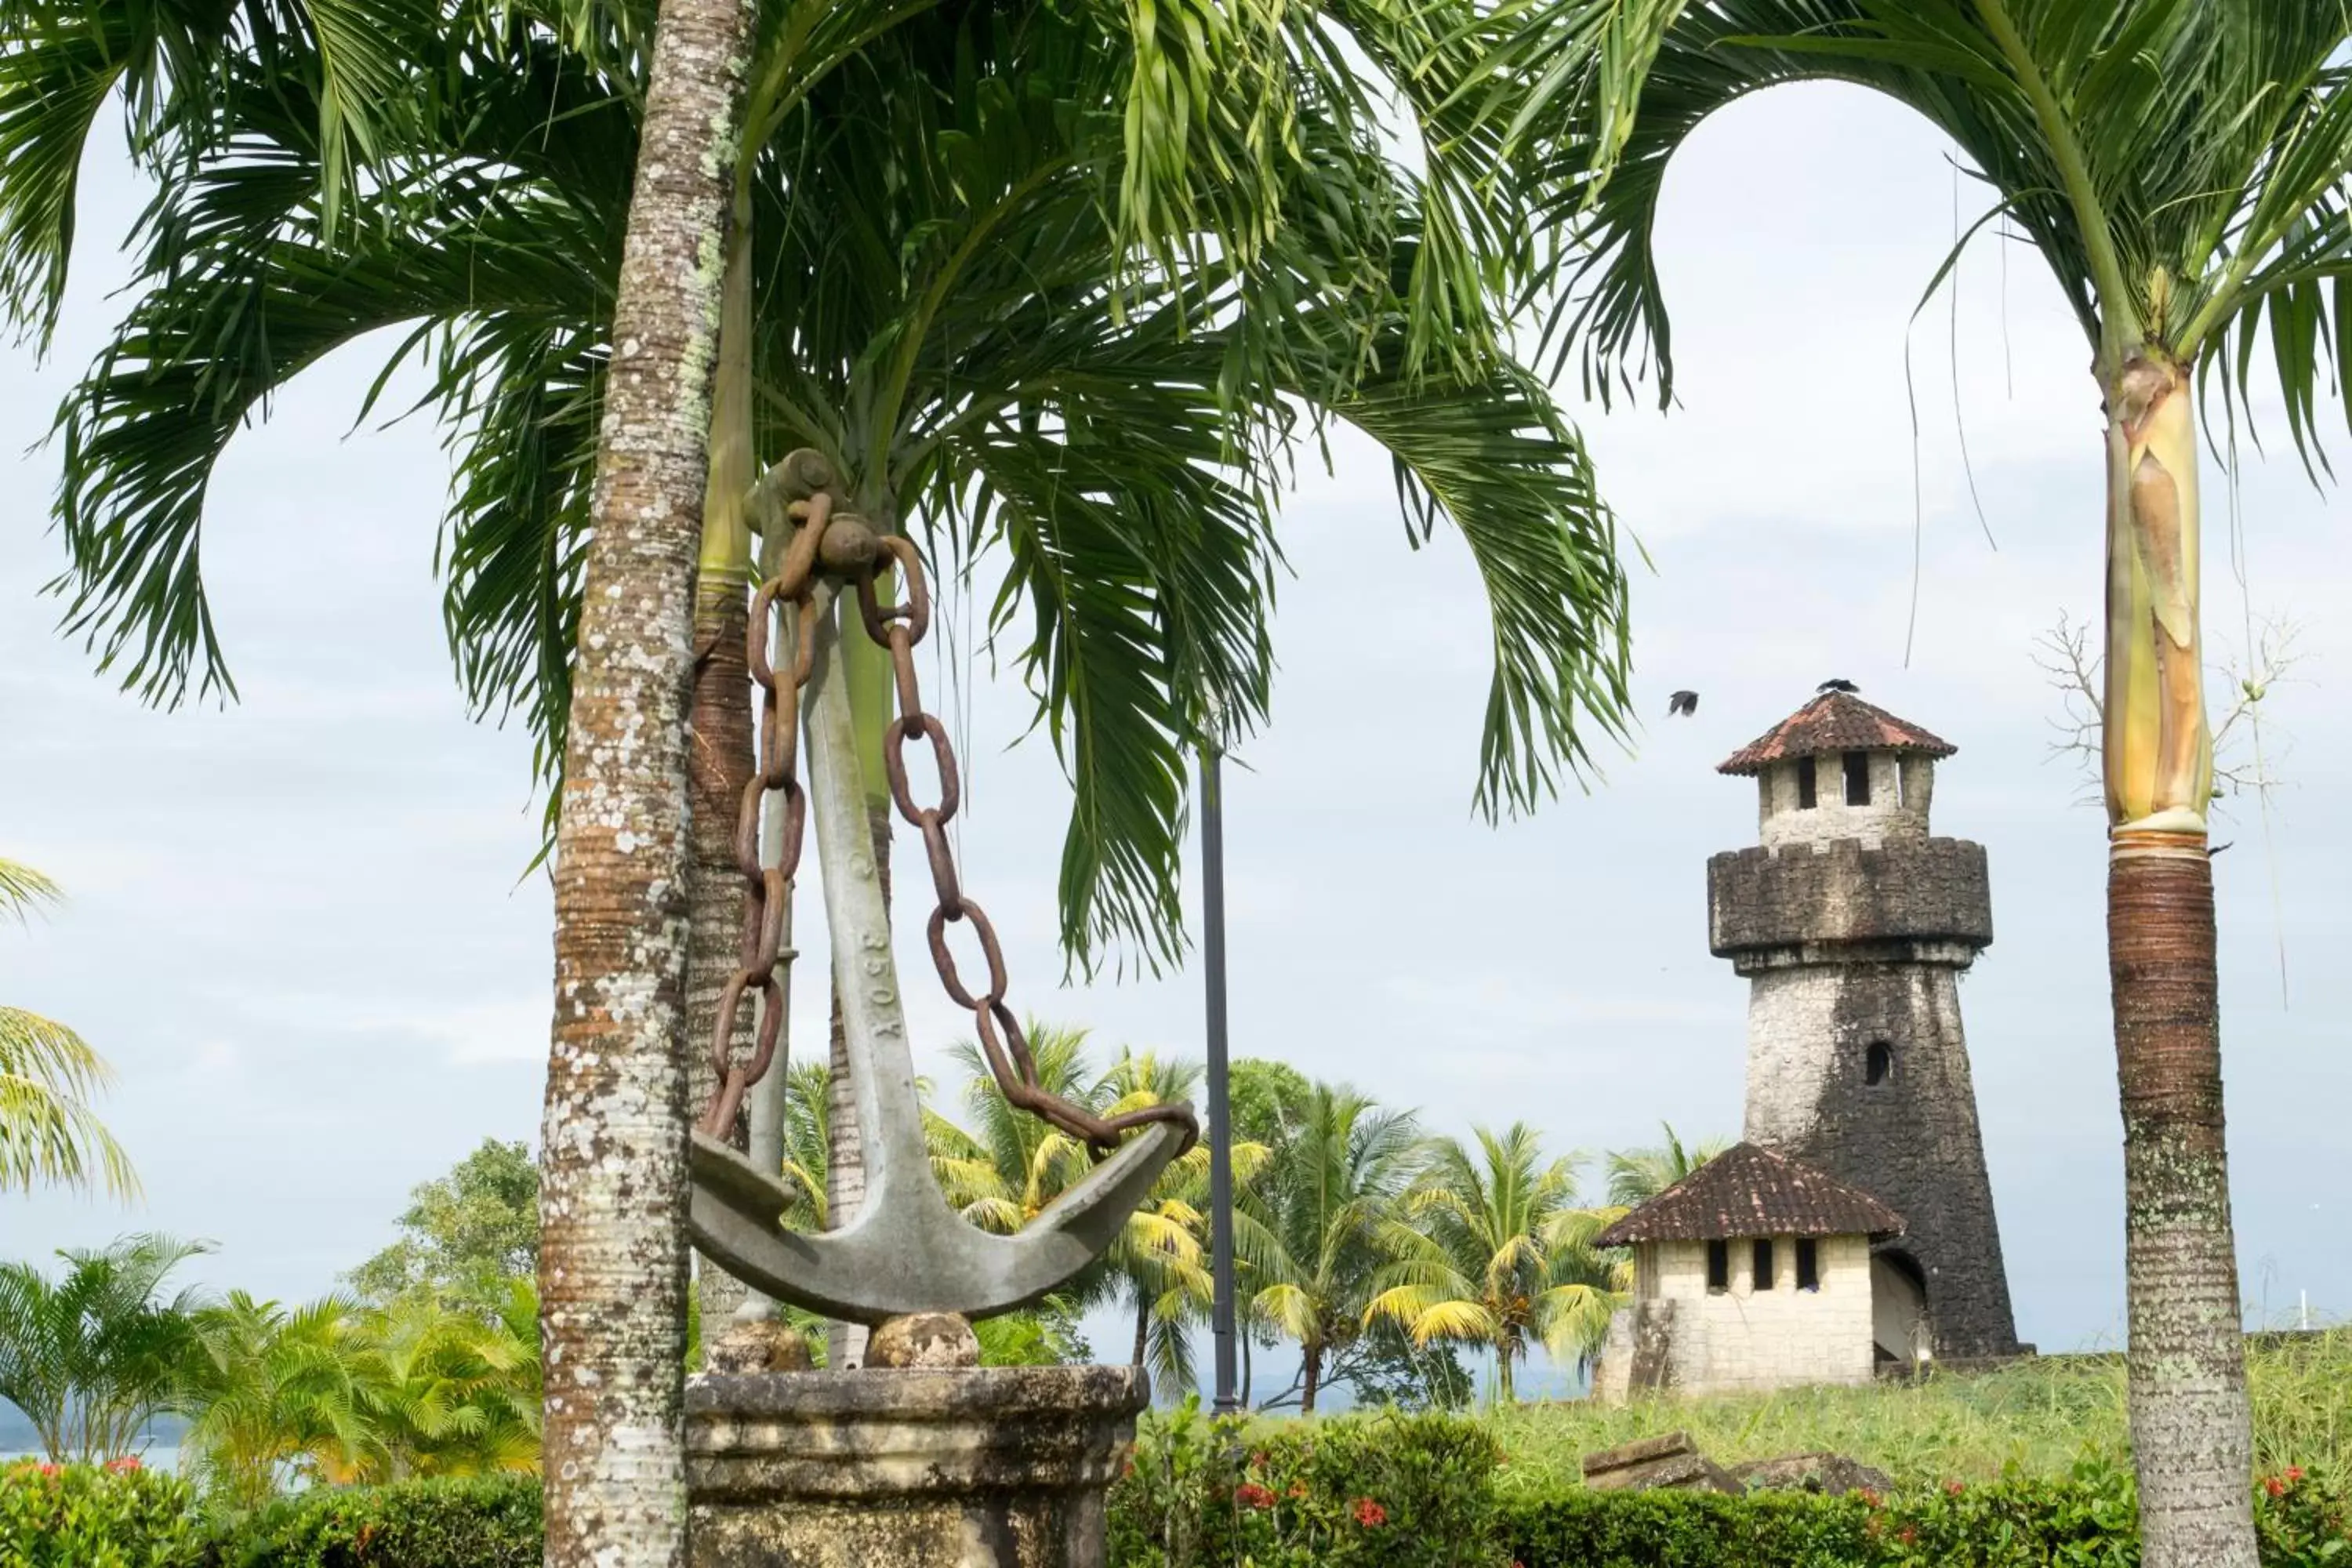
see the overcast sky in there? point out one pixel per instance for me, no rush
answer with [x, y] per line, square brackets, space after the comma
[302, 930]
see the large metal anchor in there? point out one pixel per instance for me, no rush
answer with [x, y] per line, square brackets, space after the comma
[907, 1249]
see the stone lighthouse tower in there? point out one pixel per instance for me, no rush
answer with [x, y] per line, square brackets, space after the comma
[1853, 927]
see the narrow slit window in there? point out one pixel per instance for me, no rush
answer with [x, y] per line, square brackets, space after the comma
[1718, 1265]
[1877, 1062]
[1764, 1265]
[1857, 778]
[1809, 1265]
[1807, 796]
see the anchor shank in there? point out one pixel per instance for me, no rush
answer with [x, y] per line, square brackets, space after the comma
[881, 1062]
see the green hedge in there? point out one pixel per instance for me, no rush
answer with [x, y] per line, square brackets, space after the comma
[1376, 1491]
[492, 1521]
[1381, 1492]
[82, 1516]
[2081, 1521]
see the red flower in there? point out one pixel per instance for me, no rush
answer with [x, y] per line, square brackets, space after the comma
[1370, 1514]
[1953, 1489]
[1298, 1488]
[1873, 1499]
[1249, 1494]
[2294, 1474]
[124, 1466]
[2273, 1486]
[1907, 1536]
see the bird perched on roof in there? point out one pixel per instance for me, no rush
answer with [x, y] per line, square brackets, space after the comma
[1837, 683]
[1682, 702]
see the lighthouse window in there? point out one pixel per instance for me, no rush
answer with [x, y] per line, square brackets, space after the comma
[1877, 1062]
[1719, 1265]
[1806, 798]
[1857, 778]
[1764, 1264]
[1809, 1265]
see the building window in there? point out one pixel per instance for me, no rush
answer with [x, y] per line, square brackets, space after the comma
[1718, 1265]
[1809, 1265]
[1877, 1062]
[1857, 778]
[1807, 798]
[1764, 1264]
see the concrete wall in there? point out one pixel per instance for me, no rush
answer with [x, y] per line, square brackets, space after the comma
[1747, 1340]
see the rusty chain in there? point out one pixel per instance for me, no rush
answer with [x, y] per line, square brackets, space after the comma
[849, 550]
[768, 889]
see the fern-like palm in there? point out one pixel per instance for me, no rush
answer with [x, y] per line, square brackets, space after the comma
[1637, 1175]
[47, 1076]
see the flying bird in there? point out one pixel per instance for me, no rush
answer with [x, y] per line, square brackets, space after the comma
[1682, 702]
[1837, 683]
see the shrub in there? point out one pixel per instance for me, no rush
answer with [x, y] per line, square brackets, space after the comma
[490, 1522]
[1392, 1490]
[2085, 1520]
[89, 1516]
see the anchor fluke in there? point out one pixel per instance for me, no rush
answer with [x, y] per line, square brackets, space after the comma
[917, 1256]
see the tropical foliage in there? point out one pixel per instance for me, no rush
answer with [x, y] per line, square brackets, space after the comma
[1002, 266]
[2185, 171]
[95, 1353]
[47, 1132]
[1637, 1175]
[465, 1235]
[1491, 1250]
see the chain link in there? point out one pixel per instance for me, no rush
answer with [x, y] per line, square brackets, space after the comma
[1006, 1048]
[850, 549]
[767, 890]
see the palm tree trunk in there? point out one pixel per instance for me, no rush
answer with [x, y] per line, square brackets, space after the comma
[866, 667]
[1142, 1326]
[1245, 1368]
[1505, 1391]
[719, 763]
[613, 1265]
[1310, 1377]
[2191, 1422]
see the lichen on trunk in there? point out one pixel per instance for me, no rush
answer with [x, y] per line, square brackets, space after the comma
[613, 1272]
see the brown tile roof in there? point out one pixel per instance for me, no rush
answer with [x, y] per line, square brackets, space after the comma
[1749, 1191]
[1835, 722]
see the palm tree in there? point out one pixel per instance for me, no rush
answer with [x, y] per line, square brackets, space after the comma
[94, 1356]
[1000, 1175]
[282, 1391]
[1492, 1251]
[47, 1132]
[2183, 171]
[1048, 280]
[1309, 1229]
[1637, 1175]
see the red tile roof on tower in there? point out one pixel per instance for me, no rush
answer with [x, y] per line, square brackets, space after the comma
[1835, 722]
[1751, 1190]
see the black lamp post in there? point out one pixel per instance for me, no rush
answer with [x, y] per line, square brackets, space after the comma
[1220, 1130]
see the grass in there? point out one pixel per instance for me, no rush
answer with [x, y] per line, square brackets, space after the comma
[2038, 1417]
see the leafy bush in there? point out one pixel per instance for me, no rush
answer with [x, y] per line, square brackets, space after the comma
[90, 1516]
[1392, 1490]
[2085, 1520]
[491, 1522]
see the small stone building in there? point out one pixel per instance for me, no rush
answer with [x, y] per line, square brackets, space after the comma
[1752, 1273]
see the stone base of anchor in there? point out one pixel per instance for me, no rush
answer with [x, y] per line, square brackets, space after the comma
[973, 1467]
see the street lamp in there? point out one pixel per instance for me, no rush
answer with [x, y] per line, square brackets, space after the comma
[1221, 1122]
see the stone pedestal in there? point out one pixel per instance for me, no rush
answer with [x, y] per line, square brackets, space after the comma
[982, 1468]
